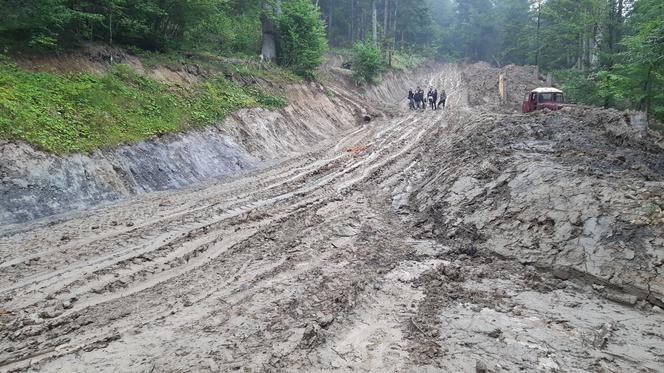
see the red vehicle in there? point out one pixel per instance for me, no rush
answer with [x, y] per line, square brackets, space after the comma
[543, 98]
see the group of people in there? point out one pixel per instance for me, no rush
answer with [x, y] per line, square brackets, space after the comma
[418, 101]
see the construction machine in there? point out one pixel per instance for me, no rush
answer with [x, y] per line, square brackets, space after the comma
[543, 98]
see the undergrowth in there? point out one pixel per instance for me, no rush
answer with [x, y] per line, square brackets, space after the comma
[83, 112]
[406, 61]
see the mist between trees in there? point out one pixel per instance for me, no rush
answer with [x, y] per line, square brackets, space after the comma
[603, 52]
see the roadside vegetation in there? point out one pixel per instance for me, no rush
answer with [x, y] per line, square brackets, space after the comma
[303, 42]
[367, 62]
[83, 112]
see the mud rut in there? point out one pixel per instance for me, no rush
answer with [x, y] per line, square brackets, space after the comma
[308, 265]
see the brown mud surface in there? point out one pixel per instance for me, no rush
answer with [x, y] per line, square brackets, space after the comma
[465, 240]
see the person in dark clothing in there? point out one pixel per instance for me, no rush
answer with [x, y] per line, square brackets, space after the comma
[430, 97]
[420, 94]
[434, 101]
[417, 98]
[411, 99]
[443, 99]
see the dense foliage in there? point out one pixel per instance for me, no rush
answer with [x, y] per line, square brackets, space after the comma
[229, 27]
[82, 112]
[219, 25]
[367, 62]
[302, 43]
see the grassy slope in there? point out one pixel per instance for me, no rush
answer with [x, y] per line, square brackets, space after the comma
[83, 112]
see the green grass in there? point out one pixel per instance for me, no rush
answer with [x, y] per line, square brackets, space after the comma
[83, 112]
[403, 61]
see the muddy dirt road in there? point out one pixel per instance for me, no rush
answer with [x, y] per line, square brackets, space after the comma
[340, 259]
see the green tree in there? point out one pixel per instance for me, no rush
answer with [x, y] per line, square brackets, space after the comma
[443, 18]
[228, 27]
[38, 24]
[219, 25]
[642, 67]
[571, 33]
[476, 29]
[302, 42]
[367, 62]
[515, 31]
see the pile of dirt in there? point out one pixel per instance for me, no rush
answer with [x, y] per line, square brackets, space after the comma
[482, 82]
[577, 192]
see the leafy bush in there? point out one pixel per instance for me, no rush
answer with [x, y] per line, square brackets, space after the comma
[368, 62]
[83, 112]
[303, 42]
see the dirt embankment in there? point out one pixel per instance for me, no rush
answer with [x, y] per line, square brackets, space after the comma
[481, 80]
[578, 192]
[36, 184]
[95, 59]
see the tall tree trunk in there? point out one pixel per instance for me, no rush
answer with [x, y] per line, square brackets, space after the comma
[352, 21]
[579, 53]
[617, 27]
[110, 27]
[329, 27]
[586, 53]
[386, 13]
[374, 22]
[613, 14]
[361, 24]
[364, 23]
[648, 91]
[593, 47]
[537, 34]
[394, 22]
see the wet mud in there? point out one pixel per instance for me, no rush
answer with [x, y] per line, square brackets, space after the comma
[466, 240]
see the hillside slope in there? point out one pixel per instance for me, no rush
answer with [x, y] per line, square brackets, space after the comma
[38, 184]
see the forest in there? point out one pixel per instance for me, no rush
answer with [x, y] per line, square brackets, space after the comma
[607, 53]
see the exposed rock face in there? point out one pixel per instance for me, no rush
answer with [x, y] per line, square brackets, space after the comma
[36, 184]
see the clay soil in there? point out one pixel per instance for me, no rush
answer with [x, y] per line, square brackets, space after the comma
[470, 239]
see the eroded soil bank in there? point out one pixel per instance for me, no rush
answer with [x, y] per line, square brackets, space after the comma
[37, 184]
[471, 239]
